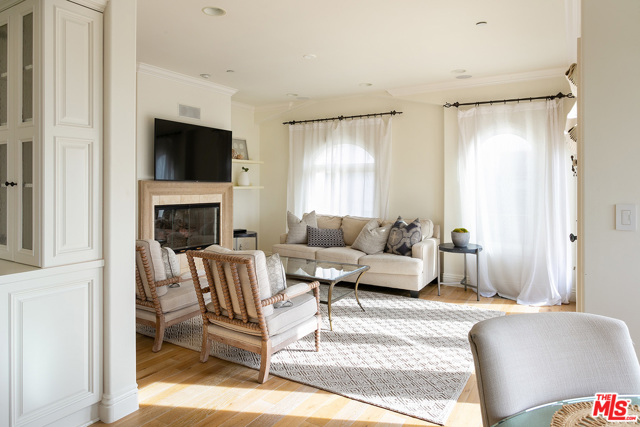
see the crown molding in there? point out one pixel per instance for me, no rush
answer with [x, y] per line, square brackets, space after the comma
[483, 81]
[184, 79]
[243, 106]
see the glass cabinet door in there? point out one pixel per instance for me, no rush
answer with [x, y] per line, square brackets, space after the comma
[4, 68]
[26, 240]
[4, 201]
[27, 68]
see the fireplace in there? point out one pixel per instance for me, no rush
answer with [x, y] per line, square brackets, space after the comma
[182, 227]
[170, 194]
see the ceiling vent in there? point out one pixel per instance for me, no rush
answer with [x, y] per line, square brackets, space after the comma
[187, 111]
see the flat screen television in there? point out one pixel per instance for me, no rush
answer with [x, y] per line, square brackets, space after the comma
[187, 152]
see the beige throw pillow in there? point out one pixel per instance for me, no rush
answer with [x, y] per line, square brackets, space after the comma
[351, 228]
[373, 238]
[298, 227]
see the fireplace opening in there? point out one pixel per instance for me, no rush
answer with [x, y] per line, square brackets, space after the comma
[186, 227]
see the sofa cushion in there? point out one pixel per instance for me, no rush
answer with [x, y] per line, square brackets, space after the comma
[325, 237]
[403, 236]
[344, 255]
[329, 221]
[298, 227]
[295, 251]
[351, 227]
[373, 238]
[392, 264]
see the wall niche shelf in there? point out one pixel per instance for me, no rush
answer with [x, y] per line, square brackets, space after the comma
[247, 162]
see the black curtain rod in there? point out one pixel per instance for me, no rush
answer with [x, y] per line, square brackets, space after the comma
[504, 101]
[392, 113]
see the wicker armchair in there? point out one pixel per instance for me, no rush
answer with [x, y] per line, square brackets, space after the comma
[241, 312]
[157, 304]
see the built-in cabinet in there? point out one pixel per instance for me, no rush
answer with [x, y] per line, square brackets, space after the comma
[50, 133]
[51, 271]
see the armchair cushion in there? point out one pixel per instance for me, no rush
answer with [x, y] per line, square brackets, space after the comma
[260, 263]
[302, 308]
[170, 262]
[154, 258]
[277, 276]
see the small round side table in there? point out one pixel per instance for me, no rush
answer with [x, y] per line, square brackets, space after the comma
[471, 248]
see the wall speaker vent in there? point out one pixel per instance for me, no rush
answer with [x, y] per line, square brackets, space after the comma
[187, 111]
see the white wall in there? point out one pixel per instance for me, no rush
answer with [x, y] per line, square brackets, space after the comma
[159, 93]
[246, 202]
[609, 111]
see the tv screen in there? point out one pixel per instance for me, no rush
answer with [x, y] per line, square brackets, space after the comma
[186, 152]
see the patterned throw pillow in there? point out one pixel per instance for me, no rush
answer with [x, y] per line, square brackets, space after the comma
[297, 228]
[402, 237]
[373, 238]
[277, 277]
[171, 265]
[325, 237]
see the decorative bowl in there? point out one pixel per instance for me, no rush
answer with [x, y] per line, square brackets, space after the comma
[460, 240]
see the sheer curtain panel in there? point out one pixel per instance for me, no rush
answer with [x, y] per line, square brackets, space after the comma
[340, 167]
[512, 161]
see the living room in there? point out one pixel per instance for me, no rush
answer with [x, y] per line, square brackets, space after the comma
[424, 153]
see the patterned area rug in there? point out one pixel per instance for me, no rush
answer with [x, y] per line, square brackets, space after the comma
[407, 355]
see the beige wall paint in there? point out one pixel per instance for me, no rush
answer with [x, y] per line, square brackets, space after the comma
[609, 111]
[159, 97]
[417, 168]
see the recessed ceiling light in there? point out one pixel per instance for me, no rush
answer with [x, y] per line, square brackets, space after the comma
[292, 95]
[458, 71]
[481, 23]
[309, 56]
[205, 75]
[463, 76]
[214, 11]
[365, 84]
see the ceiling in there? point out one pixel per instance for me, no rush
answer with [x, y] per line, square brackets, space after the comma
[399, 47]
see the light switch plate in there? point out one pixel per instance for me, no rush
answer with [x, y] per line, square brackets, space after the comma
[626, 217]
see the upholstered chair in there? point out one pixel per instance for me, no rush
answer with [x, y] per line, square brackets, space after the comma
[527, 360]
[161, 301]
[242, 313]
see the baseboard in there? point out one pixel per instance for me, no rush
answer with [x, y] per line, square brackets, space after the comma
[114, 407]
[84, 417]
[452, 279]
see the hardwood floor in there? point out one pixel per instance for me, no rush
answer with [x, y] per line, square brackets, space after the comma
[175, 389]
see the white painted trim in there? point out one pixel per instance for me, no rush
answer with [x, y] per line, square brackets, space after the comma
[184, 79]
[479, 82]
[116, 406]
[97, 5]
[6, 4]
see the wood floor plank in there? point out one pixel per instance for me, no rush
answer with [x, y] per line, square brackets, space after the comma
[175, 389]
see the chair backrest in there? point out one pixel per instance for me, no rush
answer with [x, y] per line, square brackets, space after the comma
[526, 360]
[240, 281]
[150, 267]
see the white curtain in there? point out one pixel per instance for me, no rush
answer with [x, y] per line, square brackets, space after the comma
[512, 170]
[340, 167]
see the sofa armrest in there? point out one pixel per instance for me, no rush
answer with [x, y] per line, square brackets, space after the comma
[427, 251]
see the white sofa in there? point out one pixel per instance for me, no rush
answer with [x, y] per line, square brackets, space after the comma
[393, 271]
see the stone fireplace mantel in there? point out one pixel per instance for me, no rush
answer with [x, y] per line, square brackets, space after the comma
[152, 193]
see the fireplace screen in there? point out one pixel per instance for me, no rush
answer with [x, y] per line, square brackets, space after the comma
[185, 227]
